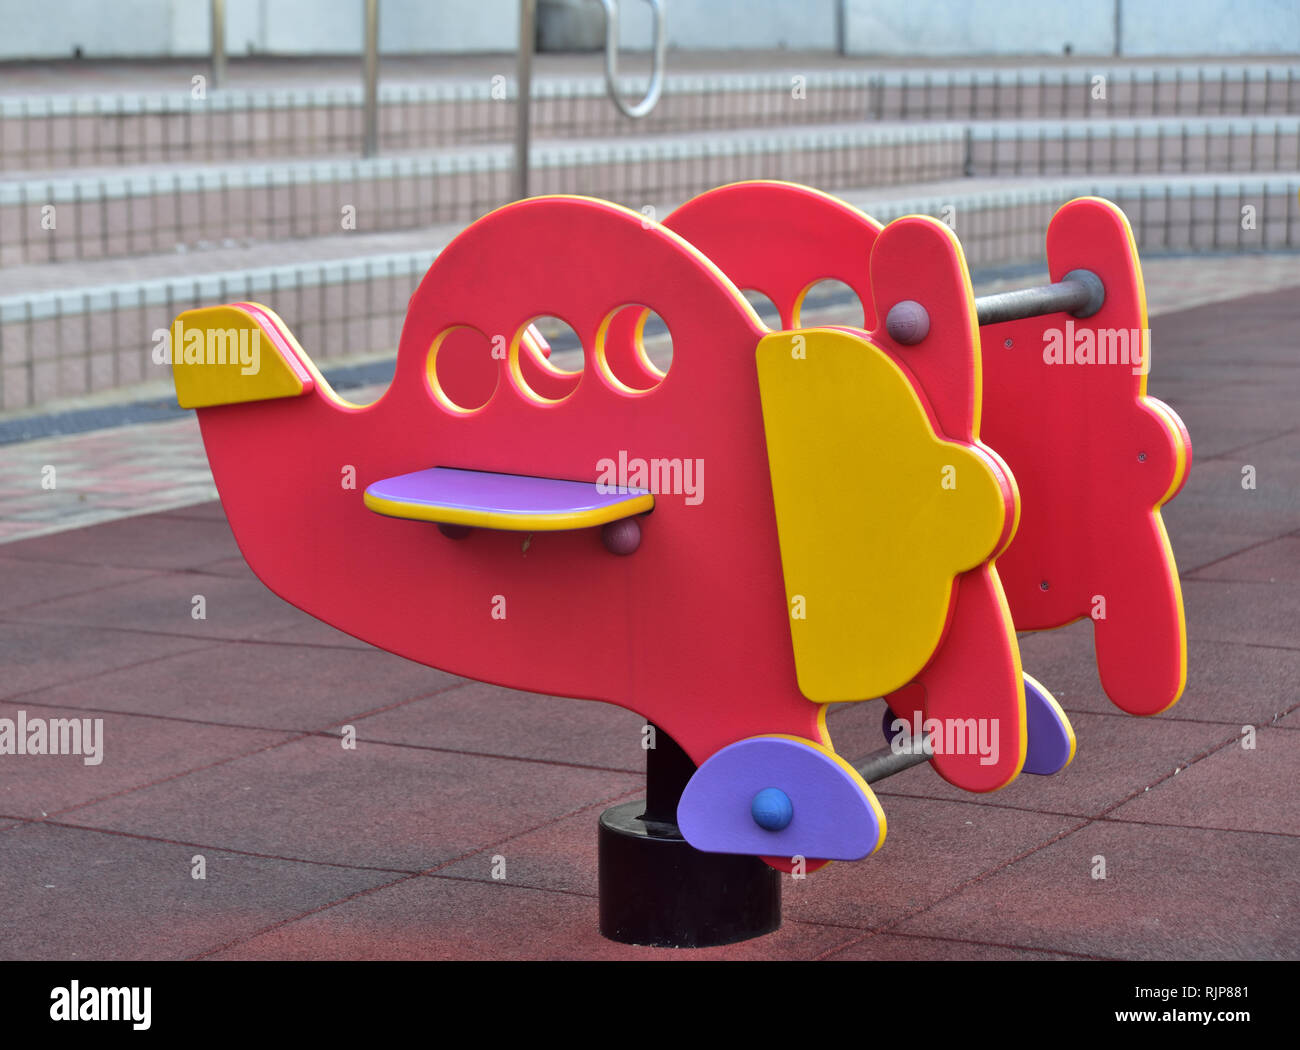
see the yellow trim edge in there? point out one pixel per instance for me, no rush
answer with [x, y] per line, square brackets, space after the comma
[507, 522]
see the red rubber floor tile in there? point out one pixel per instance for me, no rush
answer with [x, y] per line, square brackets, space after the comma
[1169, 893]
[75, 894]
[1236, 788]
[166, 603]
[24, 582]
[440, 918]
[1117, 756]
[235, 568]
[889, 947]
[1246, 613]
[1223, 420]
[1277, 561]
[154, 541]
[379, 805]
[561, 857]
[209, 511]
[315, 632]
[1226, 681]
[283, 687]
[33, 656]
[488, 719]
[1271, 489]
[134, 752]
[931, 849]
[1200, 538]
[1213, 517]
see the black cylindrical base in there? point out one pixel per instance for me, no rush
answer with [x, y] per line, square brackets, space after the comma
[657, 889]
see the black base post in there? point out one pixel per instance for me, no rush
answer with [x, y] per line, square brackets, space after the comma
[657, 889]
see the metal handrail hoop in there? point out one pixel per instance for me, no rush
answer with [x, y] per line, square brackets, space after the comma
[643, 107]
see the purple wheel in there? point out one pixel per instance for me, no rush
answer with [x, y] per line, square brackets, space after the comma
[1051, 737]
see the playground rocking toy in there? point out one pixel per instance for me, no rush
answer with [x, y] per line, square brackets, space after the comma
[885, 507]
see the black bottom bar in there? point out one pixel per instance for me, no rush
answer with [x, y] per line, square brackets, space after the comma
[657, 889]
[886, 762]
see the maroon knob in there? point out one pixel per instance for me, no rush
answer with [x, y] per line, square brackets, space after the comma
[907, 322]
[621, 537]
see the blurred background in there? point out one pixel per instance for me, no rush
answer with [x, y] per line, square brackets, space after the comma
[315, 155]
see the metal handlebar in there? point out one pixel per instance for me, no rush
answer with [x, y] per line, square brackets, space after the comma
[611, 59]
[1080, 293]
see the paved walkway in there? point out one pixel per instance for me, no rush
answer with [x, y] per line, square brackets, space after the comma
[221, 749]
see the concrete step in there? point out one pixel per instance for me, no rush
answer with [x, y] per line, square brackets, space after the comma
[345, 296]
[1002, 222]
[42, 131]
[139, 211]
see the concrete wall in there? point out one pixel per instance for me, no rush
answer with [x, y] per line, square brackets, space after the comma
[1217, 27]
[55, 27]
[901, 28]
[980, 27]
[808, 25]
[1044, 27]
[162, 28]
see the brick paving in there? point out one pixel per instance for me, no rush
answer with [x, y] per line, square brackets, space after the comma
[70, 482]
[222, 741]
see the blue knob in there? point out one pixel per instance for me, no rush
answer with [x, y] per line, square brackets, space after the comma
[772, 809]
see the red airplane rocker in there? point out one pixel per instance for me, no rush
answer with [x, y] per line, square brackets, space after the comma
[1093, 456]
[780, 521]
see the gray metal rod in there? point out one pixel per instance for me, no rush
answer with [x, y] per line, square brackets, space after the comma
[218, 43]
[370, 78]
[1080, 293]
[524, 93]
[886, 762]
